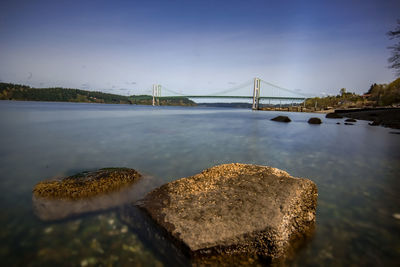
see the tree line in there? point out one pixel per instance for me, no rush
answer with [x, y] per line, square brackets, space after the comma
[377, 95]
[10, 91]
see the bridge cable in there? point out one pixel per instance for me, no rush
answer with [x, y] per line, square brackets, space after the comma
[240, 86]
[282, 88]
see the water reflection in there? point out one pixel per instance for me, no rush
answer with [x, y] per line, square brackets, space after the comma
[174, 253]
[50, 209]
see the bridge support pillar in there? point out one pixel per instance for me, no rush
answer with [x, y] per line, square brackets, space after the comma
[256, 94]
[156, 94]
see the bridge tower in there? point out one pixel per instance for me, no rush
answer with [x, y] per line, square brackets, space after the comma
[156, 94]
[256, 93]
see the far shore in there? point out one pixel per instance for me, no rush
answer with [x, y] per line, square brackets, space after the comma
[383, 116]
[387, 117]
[297, 109]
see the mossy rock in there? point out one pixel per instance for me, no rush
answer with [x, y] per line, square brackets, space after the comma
[333, 115]
[281, 119]
[86, 184]
[229, 209]
[314, 120]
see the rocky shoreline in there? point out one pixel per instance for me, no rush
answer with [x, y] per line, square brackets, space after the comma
[386, 117]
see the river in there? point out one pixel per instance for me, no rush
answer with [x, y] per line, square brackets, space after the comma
[356, 168]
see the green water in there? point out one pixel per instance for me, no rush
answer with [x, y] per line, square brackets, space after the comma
[356, 169]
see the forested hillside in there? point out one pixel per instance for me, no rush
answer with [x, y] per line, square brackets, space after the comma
[377, 95]
[9, 91]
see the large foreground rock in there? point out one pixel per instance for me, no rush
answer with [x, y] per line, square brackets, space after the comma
[235, 209]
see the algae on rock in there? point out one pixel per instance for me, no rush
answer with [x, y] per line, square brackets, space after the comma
[86, 184]
[233, 209]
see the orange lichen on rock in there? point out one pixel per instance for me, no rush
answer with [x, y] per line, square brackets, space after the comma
[86, 184]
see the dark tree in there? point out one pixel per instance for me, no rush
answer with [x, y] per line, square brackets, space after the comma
[371, 88]
[394, 60]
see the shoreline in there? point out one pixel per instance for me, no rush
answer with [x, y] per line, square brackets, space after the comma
[386, 117]
[382, 116]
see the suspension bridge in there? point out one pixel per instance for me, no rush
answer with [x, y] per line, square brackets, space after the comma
[273, 92]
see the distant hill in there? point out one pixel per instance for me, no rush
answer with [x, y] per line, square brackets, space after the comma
[9, 91]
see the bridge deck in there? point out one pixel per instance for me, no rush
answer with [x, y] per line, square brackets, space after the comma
[242, 97]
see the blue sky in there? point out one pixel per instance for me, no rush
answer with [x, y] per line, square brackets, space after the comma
[196, 47]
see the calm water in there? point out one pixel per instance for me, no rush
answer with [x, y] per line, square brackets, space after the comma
[356, 169]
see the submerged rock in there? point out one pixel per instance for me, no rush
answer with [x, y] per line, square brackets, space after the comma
[281, 119]
[88, 192]
[86, 184]
[314, 121]
[333, 115]
[348, 123]
[233, 209]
